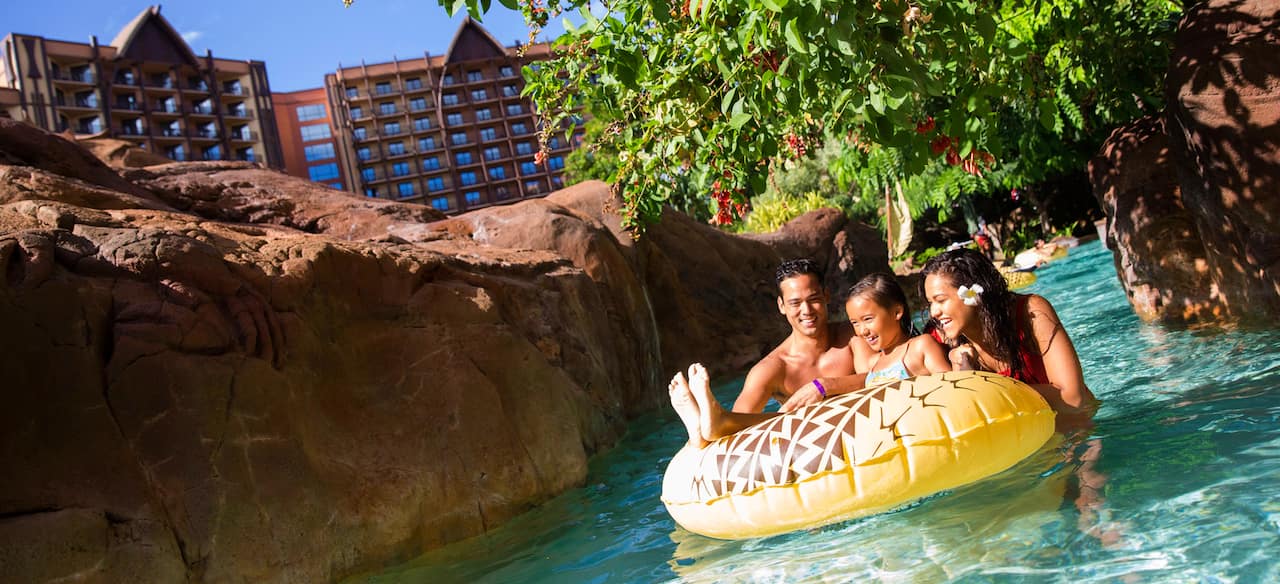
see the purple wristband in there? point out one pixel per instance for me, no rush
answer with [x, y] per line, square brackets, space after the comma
[818, 384]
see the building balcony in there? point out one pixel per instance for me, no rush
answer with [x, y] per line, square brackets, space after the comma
[234, 91]
[366, 137]
[204, 134]
[200, 111]
[133, 131]
[361, 116]
[418, 89]
[243, 136]
[166, 110]
[388, 90]
[402, 154]
[370, 157]
[495, 138]
[196, 88]
[375, 179]
[390, 112]
[90, 104]
[168, 134]
[241, 114]
[124, 81]
[392, 133]
[132, 107]
[416, 109]
[85, 77]
[166, 86]
[419, 129]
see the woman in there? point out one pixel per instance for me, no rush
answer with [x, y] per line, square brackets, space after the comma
[992, 329]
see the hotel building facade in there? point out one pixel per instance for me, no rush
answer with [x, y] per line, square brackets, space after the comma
[146, 87]
[450, 131]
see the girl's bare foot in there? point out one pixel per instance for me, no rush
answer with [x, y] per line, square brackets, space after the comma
[684, 404]
[709, 412]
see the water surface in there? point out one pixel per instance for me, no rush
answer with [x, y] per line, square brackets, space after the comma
[1177, 481]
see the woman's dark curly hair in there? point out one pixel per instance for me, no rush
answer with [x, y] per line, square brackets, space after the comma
[883, 289]
[966, 267]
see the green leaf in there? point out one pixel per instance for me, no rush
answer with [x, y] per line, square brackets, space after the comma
[794, 40]
[877, 100]
[1048, 113]
[775, 5]
[738, 120]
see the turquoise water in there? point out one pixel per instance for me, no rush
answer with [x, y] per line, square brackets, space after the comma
[1180, 475]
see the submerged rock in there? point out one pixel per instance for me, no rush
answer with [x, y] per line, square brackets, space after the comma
[216, 372]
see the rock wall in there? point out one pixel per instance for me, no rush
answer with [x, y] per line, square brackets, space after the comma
[1200, 242]
[214, 372]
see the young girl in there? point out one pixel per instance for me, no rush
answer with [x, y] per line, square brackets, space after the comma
[877, 308]
[992, 329]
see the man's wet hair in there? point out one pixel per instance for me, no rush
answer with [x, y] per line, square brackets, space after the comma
[798, 267]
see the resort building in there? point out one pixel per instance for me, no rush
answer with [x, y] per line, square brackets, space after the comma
[307, 137]
[146, 87]
[450, 131]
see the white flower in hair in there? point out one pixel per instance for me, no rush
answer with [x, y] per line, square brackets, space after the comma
[970, 294]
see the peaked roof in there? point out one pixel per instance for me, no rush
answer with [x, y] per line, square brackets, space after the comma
[472, 42]
[149, 37]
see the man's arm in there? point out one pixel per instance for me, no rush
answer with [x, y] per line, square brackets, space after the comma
[762, 381]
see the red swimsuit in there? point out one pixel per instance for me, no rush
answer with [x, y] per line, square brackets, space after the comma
[1033, 371]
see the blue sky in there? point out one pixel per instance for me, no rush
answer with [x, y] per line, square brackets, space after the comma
[300, 40]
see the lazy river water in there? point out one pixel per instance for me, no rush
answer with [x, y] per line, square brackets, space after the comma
[1178, 481]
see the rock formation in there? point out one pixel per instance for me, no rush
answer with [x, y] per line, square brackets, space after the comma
[1194, 219]
[214, 372]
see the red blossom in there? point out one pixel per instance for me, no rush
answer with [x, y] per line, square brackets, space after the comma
[939, 145]
[926, 126]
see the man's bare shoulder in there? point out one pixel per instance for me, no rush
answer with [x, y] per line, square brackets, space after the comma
[841, 333]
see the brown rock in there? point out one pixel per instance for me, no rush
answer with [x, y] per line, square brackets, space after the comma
[1158, 252]
[262, 379]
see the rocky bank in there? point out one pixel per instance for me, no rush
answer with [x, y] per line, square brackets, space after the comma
[214, 372]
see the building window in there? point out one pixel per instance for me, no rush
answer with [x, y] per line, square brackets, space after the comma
[395, 148]
[353, 92]
[484, 114]
[557, 181]
[473, 198]
[479, 94]
[421, 124]
[556, 162]
[463, 158]
[440, 204]
[360, 133]
[391, 128]
[467, 178]
[405, 189]
[488, 134]
[315, 132]
[368, 174]
[371, 192]
[432, 163]
[474, 76]
[515, 109]
[363, 153]
[458, 138]
[553, 143]
[528, 168]
[492, 153]
[510, 90]
[518, 129]
[413, 84]
[323, 172]
[179, 153]
[497, 172]
[501, 193]
[505, 71]
[233, 87]
[524, 148]
[532, 186]
[426, 144]
[435, 184]
[453, 119]
[125, 78]
[357, 113]
[318, 152]
[449, 99]
[382, 88]
[448, 79]
[160, 80]
[400, 169]
[212, 153]
[417, 104]
[336, 185]
[307, 113]
[387, 108]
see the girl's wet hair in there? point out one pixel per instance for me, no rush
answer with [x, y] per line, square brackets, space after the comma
[883, 289]
[966, 267]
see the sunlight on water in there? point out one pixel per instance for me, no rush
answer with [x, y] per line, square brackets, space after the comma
[1184, 487]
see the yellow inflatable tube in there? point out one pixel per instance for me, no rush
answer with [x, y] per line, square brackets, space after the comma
[1017, 280]
[856, 454]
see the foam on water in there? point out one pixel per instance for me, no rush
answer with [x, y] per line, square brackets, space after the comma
[1185, 487]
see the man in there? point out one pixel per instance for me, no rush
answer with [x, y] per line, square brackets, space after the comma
[815, 348]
